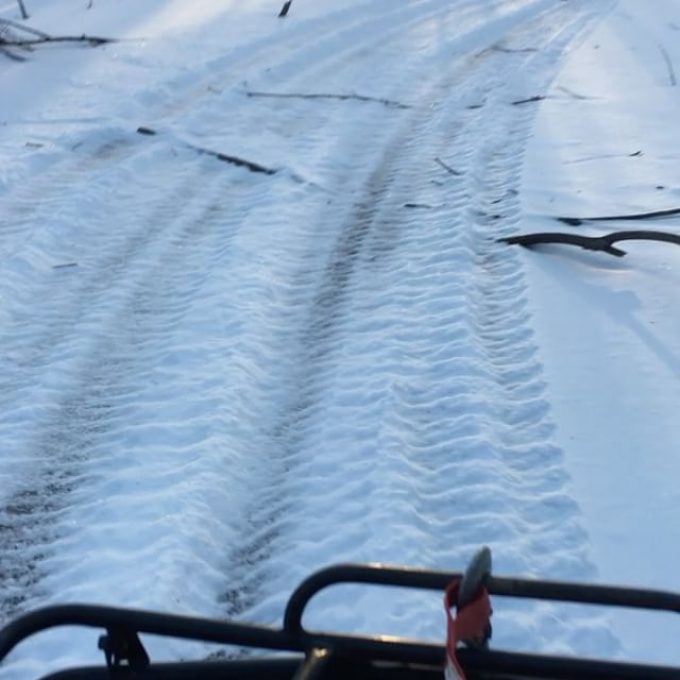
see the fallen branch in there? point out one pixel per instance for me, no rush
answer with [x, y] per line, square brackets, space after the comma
[359, 97]
[234, 160]
[22, 7]
[573, 94]
[285, 8]
[225, 158]
[669, 65]
[513, 50]
[603, 156]
[576, 221]
[599, 243]
[528, 100]
[425, 206]
[92, 40]
[448, 168]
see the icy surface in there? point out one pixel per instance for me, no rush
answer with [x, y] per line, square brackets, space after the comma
[214, 381]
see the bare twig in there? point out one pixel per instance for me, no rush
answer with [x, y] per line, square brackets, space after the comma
[585, 159]
[89, 39]
[601, 243]
[22, 7]
[576, 221]
[448, 168]
[537, 98]
[225, 158]
[513, 50]
[573, 94]
[358, 97]
[669, 64]
[285, 8]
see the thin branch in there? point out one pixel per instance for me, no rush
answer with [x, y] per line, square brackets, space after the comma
[285, 8]
[635, 154]
[576, 221]
[89, 39]
[513, 50]
[22, 7]
[599, 243]
[234, 160]
[359, 97]
[573, 94]
[448, 168]
[225, 158]
[537, 98]
[669, 64]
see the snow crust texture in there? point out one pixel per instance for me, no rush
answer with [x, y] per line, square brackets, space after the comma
[215, 381]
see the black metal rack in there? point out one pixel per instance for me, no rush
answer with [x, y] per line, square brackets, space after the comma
[313, 654]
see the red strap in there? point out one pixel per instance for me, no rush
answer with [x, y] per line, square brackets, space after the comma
[471, 624]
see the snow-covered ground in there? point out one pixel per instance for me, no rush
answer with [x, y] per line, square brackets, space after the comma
[215, 380]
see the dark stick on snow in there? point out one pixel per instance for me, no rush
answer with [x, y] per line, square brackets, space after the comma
[513, 50]
[234, 160]
[576, 221]
[225, 158]
[669, 64]
[448, 168]
[22, 7]
[285, 8]
[92, 40]
[528, 100]
[599, 243]
[358, 97]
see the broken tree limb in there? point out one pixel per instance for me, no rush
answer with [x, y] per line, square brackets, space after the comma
[234, 160]
[225, 158]
[359, 97]
[448, 168]
[528, 100]
[285, 8]
[655, 214]
[91, 40]
[599, 243]
[669, 65]
[513, 50]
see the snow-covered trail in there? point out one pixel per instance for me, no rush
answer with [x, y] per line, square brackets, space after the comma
[214, 381]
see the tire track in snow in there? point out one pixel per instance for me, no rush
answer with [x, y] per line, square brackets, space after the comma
[384, 415]
[41, 500]
[82, 350]
[422, 428]
[270, 505]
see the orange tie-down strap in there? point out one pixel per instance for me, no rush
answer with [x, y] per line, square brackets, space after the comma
[471, 624]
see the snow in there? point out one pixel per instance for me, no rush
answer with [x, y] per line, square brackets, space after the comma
[608, 329]
[215, 381]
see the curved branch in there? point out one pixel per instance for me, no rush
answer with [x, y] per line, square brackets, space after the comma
[600, 243]
[576, 221]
